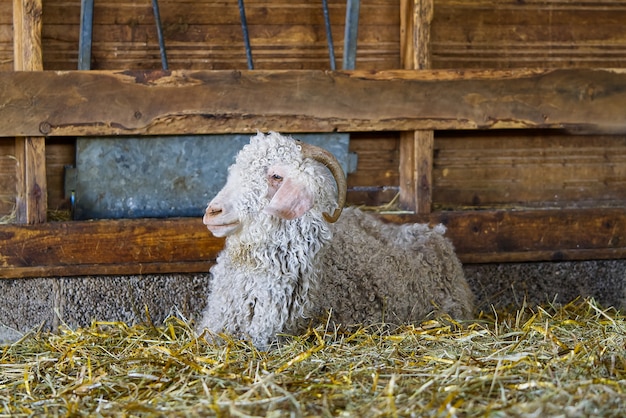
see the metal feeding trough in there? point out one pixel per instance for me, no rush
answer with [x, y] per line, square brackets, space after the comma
[161, 176]
[174, 175]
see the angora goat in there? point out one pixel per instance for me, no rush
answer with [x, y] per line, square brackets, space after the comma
[286, 262]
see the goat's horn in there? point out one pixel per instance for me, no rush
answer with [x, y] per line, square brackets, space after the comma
[329, 160]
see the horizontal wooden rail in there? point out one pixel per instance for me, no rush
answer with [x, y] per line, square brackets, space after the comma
[184, 245]
[106, 247]
[78, 103]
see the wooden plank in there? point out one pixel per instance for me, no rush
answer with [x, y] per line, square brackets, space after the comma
[532, 235]
[106, 247]
[138, 268]
[6, 35]
[415, 20]
[515, 169]
[32, 192]
[516, 34]
[537, 235]
[27, 21]
[375, 181]
[416, 147]
[377, 154]
[207, 34]
[416, 170]
[7, 177]
[30, 151]
[184, 102]
[278, 47]
[60, 153]
[145, 246]
[123, 12]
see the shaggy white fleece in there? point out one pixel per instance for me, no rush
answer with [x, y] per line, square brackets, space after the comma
[275, 275]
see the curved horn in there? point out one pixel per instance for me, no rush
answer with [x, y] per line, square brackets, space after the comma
[329, 160]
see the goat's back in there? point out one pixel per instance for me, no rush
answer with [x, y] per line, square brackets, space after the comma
[373, 272]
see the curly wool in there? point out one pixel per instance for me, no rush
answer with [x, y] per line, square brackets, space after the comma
[373, 272]
[274, 276]
[262, 278]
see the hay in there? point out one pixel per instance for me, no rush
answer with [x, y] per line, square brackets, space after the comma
[53, 215]
[544, 361]
[8, 218]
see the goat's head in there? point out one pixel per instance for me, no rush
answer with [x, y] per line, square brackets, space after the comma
[277, 176]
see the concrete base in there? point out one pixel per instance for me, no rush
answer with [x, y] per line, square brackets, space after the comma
[75, 302]
[47, 303]
[508, 285]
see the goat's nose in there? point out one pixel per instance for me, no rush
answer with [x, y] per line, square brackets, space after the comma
[212, 211]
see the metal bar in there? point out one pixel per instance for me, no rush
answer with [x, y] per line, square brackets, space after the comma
[350, 38]
[157, 18]
[329, 36]
[246, 37]
[86, 32]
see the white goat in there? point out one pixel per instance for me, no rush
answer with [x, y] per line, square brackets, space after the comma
[286, 262]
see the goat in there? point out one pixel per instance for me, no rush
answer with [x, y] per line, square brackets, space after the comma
[290, 256]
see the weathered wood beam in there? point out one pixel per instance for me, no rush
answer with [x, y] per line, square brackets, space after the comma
[30, 151]
[146, 246]
[106, 247]
[537, 235]
[80, 103]
[416, 147]
[31, 199]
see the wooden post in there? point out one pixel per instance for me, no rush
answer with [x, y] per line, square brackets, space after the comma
[416, 147]
[30, 152]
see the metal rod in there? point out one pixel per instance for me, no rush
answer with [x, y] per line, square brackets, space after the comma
[246, 37]
[350, 38]
[329, 36]
[86, 34]
[157, 19]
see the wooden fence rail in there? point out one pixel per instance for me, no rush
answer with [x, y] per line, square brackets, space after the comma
[79, 103]
[143, 246]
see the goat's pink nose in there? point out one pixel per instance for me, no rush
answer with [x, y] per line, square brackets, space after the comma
[211, 211]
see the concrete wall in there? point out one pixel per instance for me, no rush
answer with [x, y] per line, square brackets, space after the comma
[506, 285]
[47, 303]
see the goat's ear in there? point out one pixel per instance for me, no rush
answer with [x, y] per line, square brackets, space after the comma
[290, 201]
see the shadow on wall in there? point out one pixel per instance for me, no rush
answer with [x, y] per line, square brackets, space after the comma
[48, 303]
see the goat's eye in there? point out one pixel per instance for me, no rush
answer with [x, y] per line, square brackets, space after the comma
[276, 177]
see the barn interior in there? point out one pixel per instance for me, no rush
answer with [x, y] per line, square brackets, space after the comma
[501, 119]
[527, 171]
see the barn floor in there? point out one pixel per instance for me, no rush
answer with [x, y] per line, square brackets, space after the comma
[567, 360]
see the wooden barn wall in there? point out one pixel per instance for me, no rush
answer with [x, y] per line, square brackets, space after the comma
[518, 169]
[7, 163]
[471, 169]
[528, 169]
[207, 34]
[528, 33]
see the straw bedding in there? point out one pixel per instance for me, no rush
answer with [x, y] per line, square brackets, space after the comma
[539, 361]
